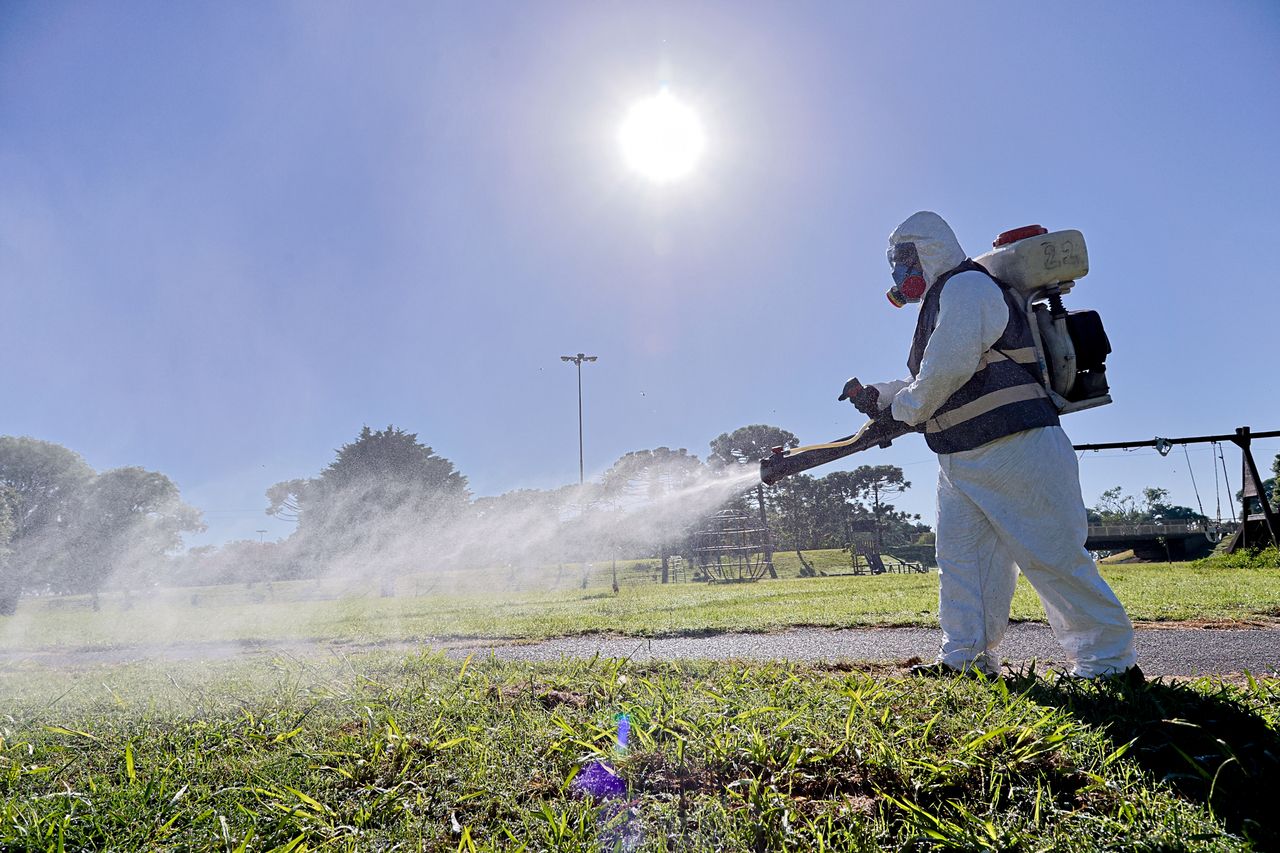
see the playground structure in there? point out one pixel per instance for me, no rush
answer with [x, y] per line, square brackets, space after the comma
[733, 547]
[1258, 524]
[866, 558]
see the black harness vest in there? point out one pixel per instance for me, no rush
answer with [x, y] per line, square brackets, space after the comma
[1004, 395]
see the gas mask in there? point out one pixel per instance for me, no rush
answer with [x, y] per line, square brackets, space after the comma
[908, 276]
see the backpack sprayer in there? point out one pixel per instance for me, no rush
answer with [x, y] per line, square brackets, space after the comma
[1038, 267]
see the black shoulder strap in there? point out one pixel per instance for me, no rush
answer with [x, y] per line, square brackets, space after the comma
[1004, 286]
[929, 310]
[969, 264]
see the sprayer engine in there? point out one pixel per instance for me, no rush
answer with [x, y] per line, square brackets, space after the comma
[1039, 266]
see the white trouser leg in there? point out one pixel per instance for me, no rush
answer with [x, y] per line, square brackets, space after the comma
[1027, 486]
[975, 584]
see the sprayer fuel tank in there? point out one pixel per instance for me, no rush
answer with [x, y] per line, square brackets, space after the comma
[1031, 258]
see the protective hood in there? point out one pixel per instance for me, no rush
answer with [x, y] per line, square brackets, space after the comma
[935, 242]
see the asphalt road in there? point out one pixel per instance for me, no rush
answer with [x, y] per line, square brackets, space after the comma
[1161, 651]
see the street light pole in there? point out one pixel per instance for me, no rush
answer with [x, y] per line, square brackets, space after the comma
[578, 359]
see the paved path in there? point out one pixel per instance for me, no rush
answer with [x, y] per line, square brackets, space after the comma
[1161, 651]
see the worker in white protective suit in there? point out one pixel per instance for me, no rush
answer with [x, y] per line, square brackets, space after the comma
[1008, 485]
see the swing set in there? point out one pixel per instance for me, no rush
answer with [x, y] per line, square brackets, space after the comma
[1258, 522]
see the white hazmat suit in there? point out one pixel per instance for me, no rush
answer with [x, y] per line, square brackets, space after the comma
[1011, 503]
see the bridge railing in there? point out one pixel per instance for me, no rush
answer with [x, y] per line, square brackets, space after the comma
[1119, 531]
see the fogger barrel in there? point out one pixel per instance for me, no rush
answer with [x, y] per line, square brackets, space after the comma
[877, 432]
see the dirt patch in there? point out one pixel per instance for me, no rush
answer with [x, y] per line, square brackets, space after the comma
[868, 667]
[1252, 623]
[654, 772]
[547, 697]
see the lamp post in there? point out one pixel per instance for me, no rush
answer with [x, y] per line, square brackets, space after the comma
[578, 359]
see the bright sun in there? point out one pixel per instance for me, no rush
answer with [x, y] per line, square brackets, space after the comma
[661, 138]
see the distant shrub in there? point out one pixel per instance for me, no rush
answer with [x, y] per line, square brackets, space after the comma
[1267, 558]
[914, 554]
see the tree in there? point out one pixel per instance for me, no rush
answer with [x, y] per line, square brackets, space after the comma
[378, 490]
[43, 482]
[243, 561]
[651, 473]
[286, 499]
[799, 515]
[816, 512]
[126, 521]
[71, 530]
[45, 478]
[396, 457]
[511, 528]
[377, 476]
[1156, 507]
[652, 476]
[8, 502]
[821, 513]
[747, 446]
[877, 483]
[8, 593]
[1116, 507]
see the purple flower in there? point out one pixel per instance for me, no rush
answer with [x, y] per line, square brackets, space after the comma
[600, 781]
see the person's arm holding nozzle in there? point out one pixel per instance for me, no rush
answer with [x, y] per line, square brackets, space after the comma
[971, 317]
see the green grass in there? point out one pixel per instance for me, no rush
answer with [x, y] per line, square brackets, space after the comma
[305, 610]
[429, 754]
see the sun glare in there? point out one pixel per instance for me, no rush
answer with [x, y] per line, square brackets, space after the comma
[661, 138]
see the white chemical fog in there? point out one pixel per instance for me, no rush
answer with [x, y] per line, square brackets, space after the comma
[380, 538]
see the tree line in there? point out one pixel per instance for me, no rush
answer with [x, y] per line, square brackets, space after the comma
[389, 495]
[1116, 507]
[388, 503]
[65, 528]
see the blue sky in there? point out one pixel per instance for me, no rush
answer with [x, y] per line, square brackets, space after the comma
[231, 234]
